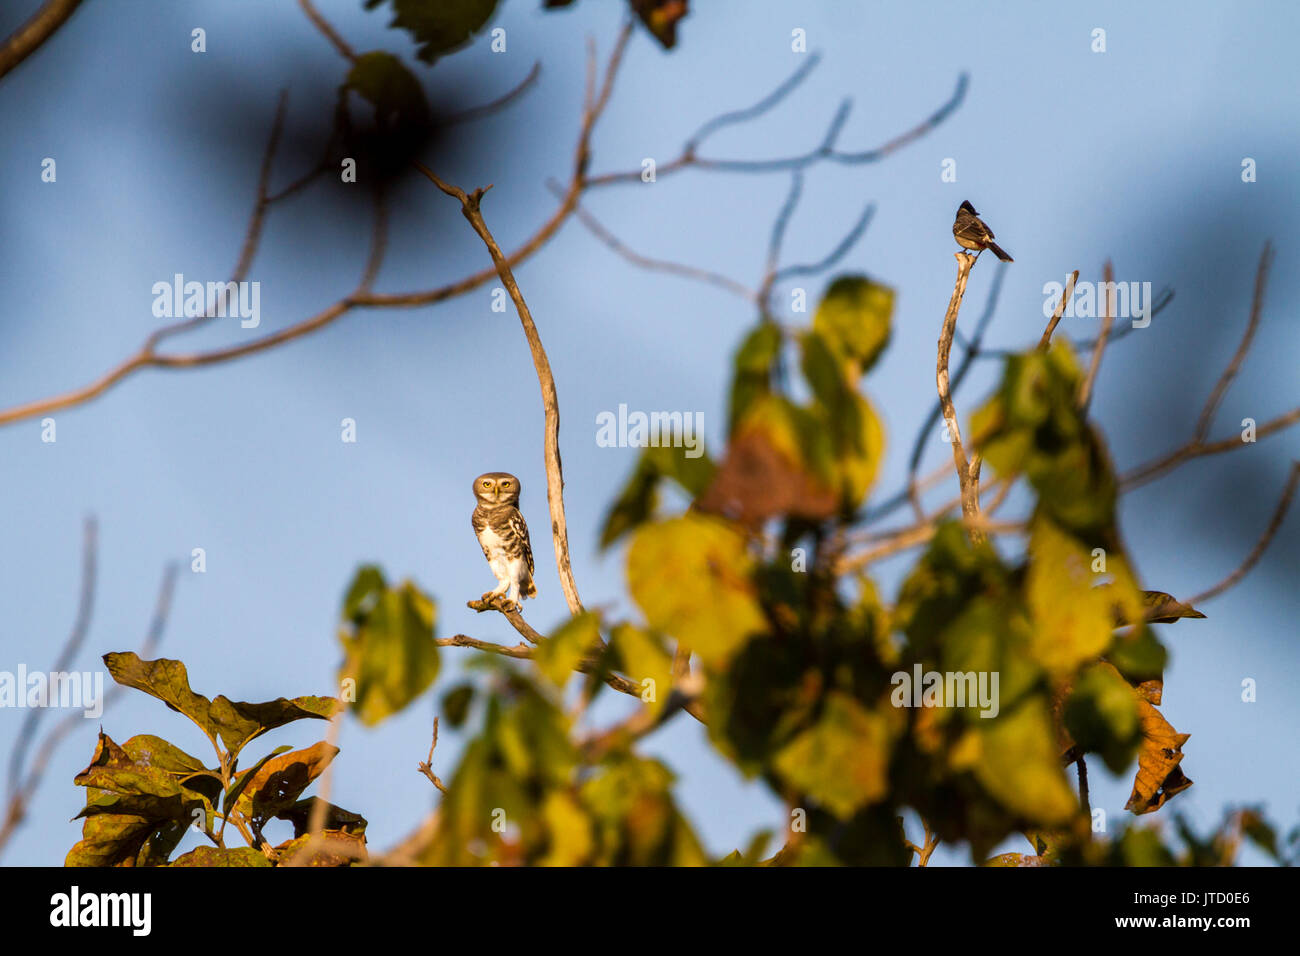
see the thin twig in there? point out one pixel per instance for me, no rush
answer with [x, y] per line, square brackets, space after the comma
[656, 265]
[1045, 342]
[21, 798]
[1257, 552]
[330, 33]
[1194, 449]
[893, 542]
[146, 357]
[38, 28]
[426, 767]
[1107, 320]
[1252, 324]
[77, 636]
[494, 106]
[690, 158]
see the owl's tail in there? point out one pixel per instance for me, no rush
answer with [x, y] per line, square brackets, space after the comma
[530, 590]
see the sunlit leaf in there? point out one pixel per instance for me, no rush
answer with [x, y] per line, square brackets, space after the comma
[691, 578]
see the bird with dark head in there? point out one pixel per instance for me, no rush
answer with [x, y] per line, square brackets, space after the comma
[971, 233]
[503, 536]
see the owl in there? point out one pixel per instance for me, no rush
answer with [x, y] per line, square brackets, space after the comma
[503, 535]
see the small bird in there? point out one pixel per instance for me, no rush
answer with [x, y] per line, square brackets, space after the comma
[503, 535]
[971, 233]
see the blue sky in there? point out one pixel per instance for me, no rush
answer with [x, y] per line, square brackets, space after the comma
[1072, 156]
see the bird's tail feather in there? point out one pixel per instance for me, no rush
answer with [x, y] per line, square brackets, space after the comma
[1000, 252]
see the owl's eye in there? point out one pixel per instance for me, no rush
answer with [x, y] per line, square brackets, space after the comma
[487, 484]
[505, 484]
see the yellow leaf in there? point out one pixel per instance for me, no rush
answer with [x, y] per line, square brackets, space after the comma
[691, 578]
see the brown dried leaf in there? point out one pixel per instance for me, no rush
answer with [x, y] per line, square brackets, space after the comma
[1159, 776]
[758, 481]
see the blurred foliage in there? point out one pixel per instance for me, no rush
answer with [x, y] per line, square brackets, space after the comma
[660, 17]
[438, 26]
[964, 701]
[808, 681]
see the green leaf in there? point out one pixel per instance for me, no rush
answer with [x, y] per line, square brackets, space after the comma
[559, 654]
[235, 722]
[645, 660]
[456, 703]
[635, 505]
[856, 434]
[1139, 656]
[242, 856]
[1073, 617]
[439, 26]
[134, 814]
[385, 82]
[1020, 766]
[387, 637]
[569, 831]
[1162, 608]
[637, 502]
[638, 825]
[754, 364]
[842, 762]
[853, 318]
[691, 577]
[1101, 715]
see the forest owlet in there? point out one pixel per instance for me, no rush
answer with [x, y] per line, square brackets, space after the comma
[503, 535]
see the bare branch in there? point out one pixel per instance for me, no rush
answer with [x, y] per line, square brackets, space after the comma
[469, 204]
[80, 625]
[426, 767]
[21, 796]
[330, 33]
[146, 357]
[1045, 342]
[901, 539]
[1257, 552]
[970, 505]
[519, 651]
[1252, 324]
[496, 105]
[914, 487]
[1194, 449]
[689, 157]
[39, 27]
[657, 265]
[1107, 320]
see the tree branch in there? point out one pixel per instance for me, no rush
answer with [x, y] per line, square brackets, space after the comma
[426, 767]
[1107, 320]
[1252, 324]
[970, 505]
[24, 41]
[470, 207]
[21, 797]
[1257, 552]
